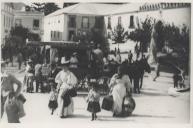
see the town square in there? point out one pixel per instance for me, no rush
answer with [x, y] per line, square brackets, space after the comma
[125, 63]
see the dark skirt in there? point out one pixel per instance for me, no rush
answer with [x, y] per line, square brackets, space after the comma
[53, 104]
[94, 107]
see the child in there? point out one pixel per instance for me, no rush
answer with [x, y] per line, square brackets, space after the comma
[53, 104]
[12, 108]
[93, 101]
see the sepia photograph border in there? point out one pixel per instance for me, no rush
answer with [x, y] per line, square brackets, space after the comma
[116, 124]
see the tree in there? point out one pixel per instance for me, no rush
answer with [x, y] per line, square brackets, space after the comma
[98, 37]
[47, 8]
[159, 35]
[68, 4]
[142, 34]
[38, 6]
[21, 32]
[16, 42]
[119, 34]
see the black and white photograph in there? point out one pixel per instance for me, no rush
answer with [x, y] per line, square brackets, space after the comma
[97, 63]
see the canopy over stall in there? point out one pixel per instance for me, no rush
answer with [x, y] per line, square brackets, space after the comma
[58, 49]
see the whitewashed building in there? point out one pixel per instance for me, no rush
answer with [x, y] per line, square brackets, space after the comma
[13, 14]
[32, 20]
[131, 14]
[7, 20]
[65, 23]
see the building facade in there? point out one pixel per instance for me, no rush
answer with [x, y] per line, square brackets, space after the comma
[30, 19]
[66, 27]
[7, 20]
[178, 14]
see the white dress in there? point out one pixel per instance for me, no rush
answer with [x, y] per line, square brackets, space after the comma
[65, 81]
[118, 87]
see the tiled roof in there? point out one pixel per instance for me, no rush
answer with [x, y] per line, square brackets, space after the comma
[87, 9]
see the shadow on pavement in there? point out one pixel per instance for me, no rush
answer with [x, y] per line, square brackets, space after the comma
[110, 118]
[151, 116]
[164, 82]
[79, 116]
[153, 93]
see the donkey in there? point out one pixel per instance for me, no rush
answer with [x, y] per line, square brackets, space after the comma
[136, 72]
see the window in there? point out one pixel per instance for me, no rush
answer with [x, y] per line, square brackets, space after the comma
[4, 20]
[109, 23]
[72, 22]
[85, 22]
[51, 34]
[54, 34]
[131, 22]
[119, 20]
[71, 35]
[8, 22]
[98, 22]
[18, 22]
[58, 35]
[36, 24]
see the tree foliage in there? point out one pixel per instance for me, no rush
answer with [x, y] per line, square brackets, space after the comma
[142, 34]
[47, 8]
[16, 42]
[159, 35]
[119, 34]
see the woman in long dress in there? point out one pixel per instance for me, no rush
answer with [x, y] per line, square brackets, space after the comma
[65, 80]
[120, 86]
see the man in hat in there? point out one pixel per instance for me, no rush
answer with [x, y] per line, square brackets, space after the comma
[65, 80]
[74, 61]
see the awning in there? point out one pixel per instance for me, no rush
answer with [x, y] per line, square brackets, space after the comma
[62, 44]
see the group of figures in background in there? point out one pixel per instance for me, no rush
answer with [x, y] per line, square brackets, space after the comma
[123, 79]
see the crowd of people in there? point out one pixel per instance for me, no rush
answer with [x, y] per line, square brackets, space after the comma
[63, 84]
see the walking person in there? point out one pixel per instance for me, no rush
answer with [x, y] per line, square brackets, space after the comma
[66, 80]
[53, 104]
[12, 108]
[38, 76]
[20, 60]
[93, 101]
[7, 86]
[29, 77]
[120, 86]
[157, 71]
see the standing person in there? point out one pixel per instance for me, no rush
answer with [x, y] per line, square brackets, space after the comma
[38, 76]
[106, 62]
[74, 61]
[12, 108]
[157, 71]
[66, 80]
[53, 104]
[130, 57]
[93, 101]
[7, 86]
[98, 54]
[118, 58]
[20, 60]
[52, 74]
[29, 77]
[120, 86]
